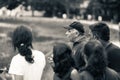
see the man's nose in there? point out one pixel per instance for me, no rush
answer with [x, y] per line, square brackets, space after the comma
[67, 33]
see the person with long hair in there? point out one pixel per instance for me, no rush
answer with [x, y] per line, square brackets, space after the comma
[63, 63]
[96, 63]
[28, 64]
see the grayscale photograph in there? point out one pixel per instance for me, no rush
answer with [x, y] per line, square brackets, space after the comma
[59, 39]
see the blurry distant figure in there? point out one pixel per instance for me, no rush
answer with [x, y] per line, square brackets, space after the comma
[28, 64]
[101, 32]
[89, 17]
[96, 63]
[18, 11]
[76, 34]
[64, 16]
[99, 18]
[63, 63]
[3, 10]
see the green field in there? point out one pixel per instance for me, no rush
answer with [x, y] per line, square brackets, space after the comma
[46, 32]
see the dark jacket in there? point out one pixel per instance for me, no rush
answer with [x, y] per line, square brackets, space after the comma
[113, 53]
[77, 50]
[108, 75]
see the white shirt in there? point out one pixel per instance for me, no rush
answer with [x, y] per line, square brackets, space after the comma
[20, 66]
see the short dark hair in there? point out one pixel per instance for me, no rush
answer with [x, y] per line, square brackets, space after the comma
[102, 30]
[22, 40]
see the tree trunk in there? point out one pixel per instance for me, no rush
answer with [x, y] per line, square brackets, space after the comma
[67, 9]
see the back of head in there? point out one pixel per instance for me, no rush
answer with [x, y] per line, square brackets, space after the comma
[96, 57]
[22, 40]
[22, 35]
[101, 30]
[62, 58]
[61, 48]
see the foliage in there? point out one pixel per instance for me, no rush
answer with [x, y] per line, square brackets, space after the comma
[51, 7]
[56, 7]
[3, 3]
[108, 9]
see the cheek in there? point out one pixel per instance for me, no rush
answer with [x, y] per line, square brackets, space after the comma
[74, 35]
[68, 33]
[71, 35]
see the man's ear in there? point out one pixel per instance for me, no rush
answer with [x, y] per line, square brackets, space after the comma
[97, 36]
[77, 33]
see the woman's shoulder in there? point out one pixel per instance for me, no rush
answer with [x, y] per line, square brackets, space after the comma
[85, 75]
[17, 57]
[38, 53]
[111, 72]
[74, 74]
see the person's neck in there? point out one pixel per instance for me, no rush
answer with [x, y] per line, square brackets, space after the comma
[79, 38]
[104, 43]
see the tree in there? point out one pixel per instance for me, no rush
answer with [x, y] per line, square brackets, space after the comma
[3, 3]
[55, 7]
[51, 7]
[108, 9]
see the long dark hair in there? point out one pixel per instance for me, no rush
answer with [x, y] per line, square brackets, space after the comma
[62, 57]
[97, 60]
[22, 40]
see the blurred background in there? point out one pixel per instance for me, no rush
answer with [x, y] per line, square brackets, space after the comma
[47, 18]
[107, 10]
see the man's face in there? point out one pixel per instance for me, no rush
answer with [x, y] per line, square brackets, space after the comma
[72, 34]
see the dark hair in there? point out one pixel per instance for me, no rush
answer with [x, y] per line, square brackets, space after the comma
[22, 40]
[101, 30]
[62, 57]
[97, 60]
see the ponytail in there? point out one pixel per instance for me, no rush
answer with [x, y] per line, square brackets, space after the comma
[26, 51]
[22, 40]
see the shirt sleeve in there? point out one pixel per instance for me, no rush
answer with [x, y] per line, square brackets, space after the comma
[44, 61]
[16, 67]
[42, 57]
